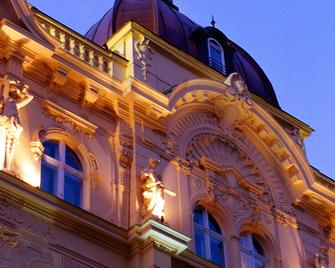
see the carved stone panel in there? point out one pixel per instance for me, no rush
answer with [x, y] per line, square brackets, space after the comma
[236, 168]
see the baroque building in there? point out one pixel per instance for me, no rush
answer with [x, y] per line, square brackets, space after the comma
[150, 142]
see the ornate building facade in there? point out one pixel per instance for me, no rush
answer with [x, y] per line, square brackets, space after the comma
[150, 142]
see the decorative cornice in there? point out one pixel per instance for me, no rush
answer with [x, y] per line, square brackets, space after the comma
[161, 236]
[65, 117]
[18, 194]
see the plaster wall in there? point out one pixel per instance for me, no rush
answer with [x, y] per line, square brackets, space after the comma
[165, 71]
[39, 239]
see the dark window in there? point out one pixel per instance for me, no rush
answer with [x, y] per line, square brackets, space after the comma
[208, 238]
[252, 252]
[216, 56]
[62, 172]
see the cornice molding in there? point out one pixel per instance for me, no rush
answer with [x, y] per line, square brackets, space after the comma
[51, 209]
[64, 116]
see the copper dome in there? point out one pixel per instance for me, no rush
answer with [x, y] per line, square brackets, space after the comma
[163, 18]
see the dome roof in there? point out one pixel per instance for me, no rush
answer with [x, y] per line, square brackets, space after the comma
[163, 18]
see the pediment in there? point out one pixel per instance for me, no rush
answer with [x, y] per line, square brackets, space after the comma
[8, 12]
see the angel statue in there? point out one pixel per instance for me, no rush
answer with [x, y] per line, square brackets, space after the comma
[10, 124]
[153, 192]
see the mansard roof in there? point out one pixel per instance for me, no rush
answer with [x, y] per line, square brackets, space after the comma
[163, 18]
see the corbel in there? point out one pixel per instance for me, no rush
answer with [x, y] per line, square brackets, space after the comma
[92, 92]
[59, 78]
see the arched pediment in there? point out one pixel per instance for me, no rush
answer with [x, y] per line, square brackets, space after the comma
[25, 16]
[204, 106]
[237, 170]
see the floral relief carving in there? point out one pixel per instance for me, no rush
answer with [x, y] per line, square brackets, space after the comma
[126, 154]
[68, 119]
[164, 247]
[125, 160]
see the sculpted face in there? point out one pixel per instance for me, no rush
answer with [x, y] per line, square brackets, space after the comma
[240, 86]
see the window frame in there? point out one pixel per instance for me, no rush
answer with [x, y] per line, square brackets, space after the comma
[214, 44]
[208, 234]
[252, 253]
[62, 168]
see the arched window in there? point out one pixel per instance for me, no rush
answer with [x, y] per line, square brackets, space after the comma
[216, 56]
[252, 252]
[62, 172]
[208, 237]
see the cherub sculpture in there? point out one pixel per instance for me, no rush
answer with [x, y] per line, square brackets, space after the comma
[153, 192]
[10, 124]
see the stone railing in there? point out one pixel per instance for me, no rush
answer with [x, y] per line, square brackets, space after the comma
[78, 46]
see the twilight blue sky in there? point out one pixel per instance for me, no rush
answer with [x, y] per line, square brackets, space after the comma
[292, 40]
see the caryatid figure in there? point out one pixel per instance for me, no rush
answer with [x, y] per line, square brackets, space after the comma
[10, 124]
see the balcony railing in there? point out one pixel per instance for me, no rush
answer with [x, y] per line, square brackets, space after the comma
[77, 45]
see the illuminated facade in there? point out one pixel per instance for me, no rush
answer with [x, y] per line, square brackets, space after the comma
[150, 142]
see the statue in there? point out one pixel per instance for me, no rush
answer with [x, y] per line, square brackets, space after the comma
[153, 192]
[10, 125]
[239, 88]
[144, 53]
[238, 85]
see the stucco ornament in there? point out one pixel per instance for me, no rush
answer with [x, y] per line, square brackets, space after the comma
[10, 238]
[153, 192]
[10, 124]
[144, 53]
[232, 107]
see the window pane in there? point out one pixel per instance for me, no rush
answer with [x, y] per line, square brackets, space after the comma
[216, 59]
[244, 241]
[51, 149]
[217, 254]
[200, 243]
[198, 215]
[213, 225]
[71, 159]
[214, 43]
[72, 189]
[48, 178]
[257, 246]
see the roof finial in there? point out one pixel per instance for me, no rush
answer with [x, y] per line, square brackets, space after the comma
[213, 21]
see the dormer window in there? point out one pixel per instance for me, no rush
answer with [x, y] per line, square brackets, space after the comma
[216, 56]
